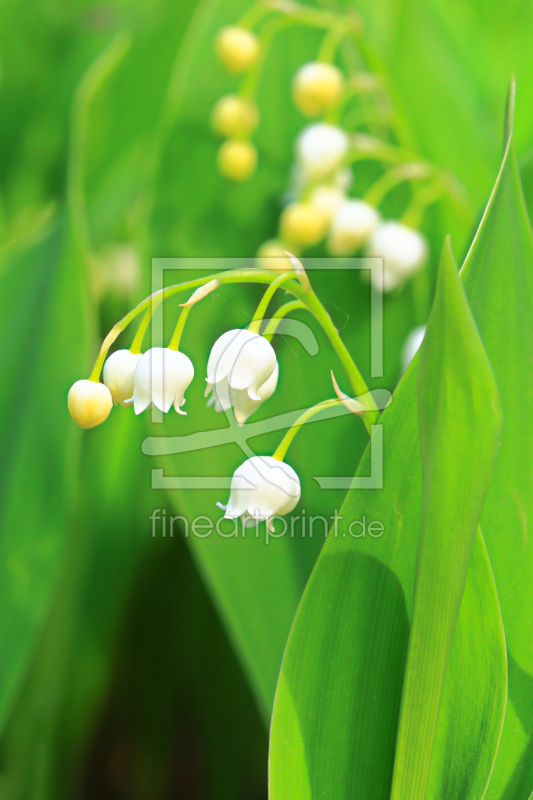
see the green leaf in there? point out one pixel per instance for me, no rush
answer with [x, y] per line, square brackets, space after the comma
[338, 698]
[43, 316]
[498, 278]
[459, 423]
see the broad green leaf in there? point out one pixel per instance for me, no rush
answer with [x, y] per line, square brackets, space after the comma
[43, 318]
[459, 423]
[498, 278]
[338, 698]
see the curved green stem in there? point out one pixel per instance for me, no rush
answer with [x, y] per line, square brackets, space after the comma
[143, 327]
[390, 180]
[174, 343]
[251, 275]
[283, 446]
[255, 324]
[275, 319]
[306, 296]
[413, 214]
[356, 379]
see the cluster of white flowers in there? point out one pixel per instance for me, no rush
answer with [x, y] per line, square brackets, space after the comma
[242, 372]
[348, 225]
[321, 205]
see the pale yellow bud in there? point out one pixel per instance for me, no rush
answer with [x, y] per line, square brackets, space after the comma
[237, 48]
[303, 223]
[234, 116]
[317, 87]
[271, 256]
[237, 160]
[89, 403]
[328, 199]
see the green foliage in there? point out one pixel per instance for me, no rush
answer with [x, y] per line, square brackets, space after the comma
[126, 664]
[338, 699]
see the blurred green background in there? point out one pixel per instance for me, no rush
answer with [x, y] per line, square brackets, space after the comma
[129, 664]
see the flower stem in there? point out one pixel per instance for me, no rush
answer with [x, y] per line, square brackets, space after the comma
[143, 327]
[174, 343]
[283, 446]
[390, 180]
[356, 379]
[277, 317]
[255, 324]
[252, 275]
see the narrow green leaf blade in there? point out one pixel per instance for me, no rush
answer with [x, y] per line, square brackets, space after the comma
[338, 696]
[459, 421]
[498, 278]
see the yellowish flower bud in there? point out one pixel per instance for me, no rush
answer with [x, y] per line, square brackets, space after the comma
[317, 87]
[328, 198]
[303, 223]
[89, 403]
[271, 256]
[237, 160]
[234, 116]
[237, 48]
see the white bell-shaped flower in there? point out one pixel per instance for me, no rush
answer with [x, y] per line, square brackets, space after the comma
[89, 403]
[351, 227]
[242, 372]
[404, 252]
[321, 149]
[161, 378]
[119, 372]
[262, 488]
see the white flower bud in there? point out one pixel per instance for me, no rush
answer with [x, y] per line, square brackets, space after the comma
[404, 251]
[234, 116]
[262, 488]
[242, 372]
[328, 198]
[321, 150]
[161, 377]
[237, 48]
[412, 344]
[303, 224]
[351, 227]
[237, 160]
[89, 403]
[119, 371]
[317, 87]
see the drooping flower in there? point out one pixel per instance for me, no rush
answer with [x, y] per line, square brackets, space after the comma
[242, 372]
[237, 48]
[351, 227]
[404, 252]
[317, 87]
[262, 488]
[119, 372]
[89, 403]
[161, 378]
[321, 149]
